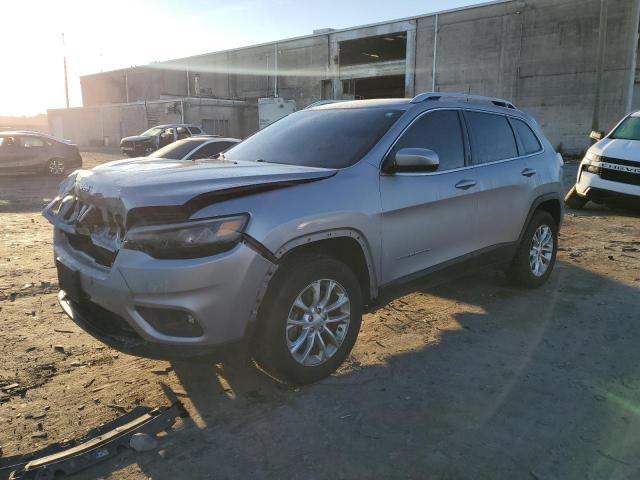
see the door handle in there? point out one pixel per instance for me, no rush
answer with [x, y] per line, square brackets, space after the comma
[466, 184]
[529, 172]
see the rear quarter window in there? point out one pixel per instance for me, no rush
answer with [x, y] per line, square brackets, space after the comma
[491, 137]
[528, 140]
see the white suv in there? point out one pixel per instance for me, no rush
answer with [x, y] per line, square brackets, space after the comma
[610, 170]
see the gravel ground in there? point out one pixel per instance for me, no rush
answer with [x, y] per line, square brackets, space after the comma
[474, 379]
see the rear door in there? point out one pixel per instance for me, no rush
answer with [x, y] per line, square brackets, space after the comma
[506, 175]
[428, 218]
[34, 153]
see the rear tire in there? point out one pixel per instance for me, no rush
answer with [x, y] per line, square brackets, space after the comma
[575, 201]
[56, 167]
[299, 340]
[536, 254]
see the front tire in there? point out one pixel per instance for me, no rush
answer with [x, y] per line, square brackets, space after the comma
[56, 167]
[573, 200]
[309, 320]
[536, 254]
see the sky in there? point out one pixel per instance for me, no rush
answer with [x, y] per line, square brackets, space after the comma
[102, 36]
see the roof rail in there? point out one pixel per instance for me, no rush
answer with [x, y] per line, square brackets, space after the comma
[423, 97]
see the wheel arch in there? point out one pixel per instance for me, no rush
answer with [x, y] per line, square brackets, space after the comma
[551, 203]
[347, 245]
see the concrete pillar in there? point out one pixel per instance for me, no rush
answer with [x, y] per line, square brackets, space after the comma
[632, 57]
[334, 68]
[410, 59]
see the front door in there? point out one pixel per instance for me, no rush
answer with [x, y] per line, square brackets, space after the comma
[10, 154]
[428, 218]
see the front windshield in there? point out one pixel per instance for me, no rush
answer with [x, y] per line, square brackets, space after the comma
[152, 132]
[176, 150]
[629, 129]
[332, 138]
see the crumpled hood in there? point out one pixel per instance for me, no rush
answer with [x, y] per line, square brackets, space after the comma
[126, 184]
[616, 148]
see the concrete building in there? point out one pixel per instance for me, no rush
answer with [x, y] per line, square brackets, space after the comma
[570, 63]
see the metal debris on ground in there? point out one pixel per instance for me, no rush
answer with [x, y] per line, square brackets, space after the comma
[96, 446]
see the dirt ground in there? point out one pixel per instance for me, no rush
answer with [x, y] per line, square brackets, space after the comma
[473, 380]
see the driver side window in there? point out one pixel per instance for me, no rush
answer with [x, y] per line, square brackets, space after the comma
[439, 131]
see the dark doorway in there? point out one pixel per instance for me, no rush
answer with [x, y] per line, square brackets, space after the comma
[390, 86]
[383, 48]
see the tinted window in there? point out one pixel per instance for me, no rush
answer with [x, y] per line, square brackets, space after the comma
[491, 137]
[195, 130]
[528, 139]
[439, 131]
[212, 149]
[177, 150]
[29, 142]
[331, 138]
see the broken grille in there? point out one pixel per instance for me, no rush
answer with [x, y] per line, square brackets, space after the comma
[90, 229]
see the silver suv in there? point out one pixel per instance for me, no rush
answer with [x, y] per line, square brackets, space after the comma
[289, 237]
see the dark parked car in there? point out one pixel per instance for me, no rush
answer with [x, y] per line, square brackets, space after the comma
[194, 148]
[32, 152]
[155, 138]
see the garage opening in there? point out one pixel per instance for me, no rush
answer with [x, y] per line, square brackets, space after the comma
[382, 48]
[390, 86]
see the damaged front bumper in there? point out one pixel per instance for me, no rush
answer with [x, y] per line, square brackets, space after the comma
[135, 305]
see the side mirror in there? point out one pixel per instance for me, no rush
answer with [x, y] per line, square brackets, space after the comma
[597, 135]
[416, 160]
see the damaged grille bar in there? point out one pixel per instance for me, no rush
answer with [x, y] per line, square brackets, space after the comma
[90, 229]
[96, 446]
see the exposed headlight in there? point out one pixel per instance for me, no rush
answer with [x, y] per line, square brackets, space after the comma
[593, 157]
[200, 238]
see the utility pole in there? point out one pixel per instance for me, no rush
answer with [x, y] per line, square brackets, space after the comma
[66, 80]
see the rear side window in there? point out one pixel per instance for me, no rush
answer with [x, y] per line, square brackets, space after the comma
[195, 130]
[212, 149]
[491, 138]
[29, 142]
[528, 139]
[439, 131]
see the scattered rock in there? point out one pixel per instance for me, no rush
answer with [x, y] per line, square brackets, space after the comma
[89, 383]
[142, 442]
[80, 407]
[39, 435]
[10, 387]
[59, 348]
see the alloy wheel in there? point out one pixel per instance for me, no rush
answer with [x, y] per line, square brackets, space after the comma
[541, 251]
[318, 322]
[56, 166]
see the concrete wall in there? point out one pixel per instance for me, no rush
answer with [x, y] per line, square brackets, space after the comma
[541, 54]
[98, 125]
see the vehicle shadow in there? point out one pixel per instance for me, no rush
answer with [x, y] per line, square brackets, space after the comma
[27, 193]
[474, 379]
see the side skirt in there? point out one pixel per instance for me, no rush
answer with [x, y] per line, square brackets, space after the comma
[494, 256]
